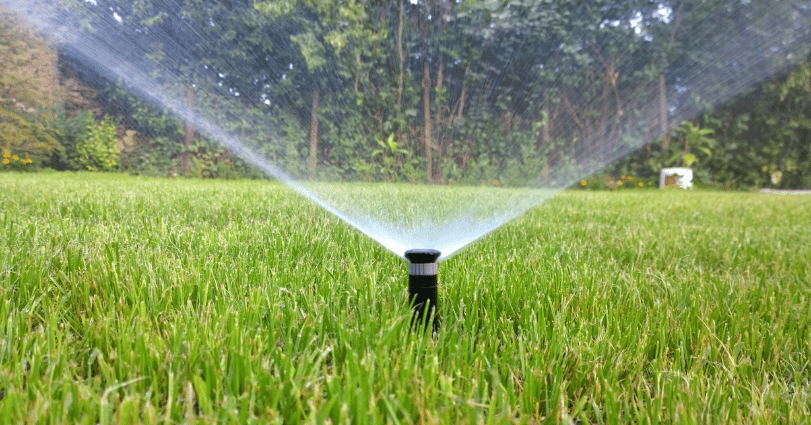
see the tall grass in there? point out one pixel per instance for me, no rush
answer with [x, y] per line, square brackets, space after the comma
[134, 300]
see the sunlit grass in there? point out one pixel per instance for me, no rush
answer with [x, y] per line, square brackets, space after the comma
[133, 300]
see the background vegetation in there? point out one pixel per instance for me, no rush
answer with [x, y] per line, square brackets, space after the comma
[377, 90]
[137, 300]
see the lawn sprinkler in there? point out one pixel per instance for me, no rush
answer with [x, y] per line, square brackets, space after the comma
[422, 287]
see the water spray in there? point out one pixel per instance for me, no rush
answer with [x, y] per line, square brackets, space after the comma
[422, 287]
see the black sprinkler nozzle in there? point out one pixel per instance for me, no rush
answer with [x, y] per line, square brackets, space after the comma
[422, 287]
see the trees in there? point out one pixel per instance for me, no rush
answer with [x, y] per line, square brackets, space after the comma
[28, 85]
[764, 136]
[474, 91]
[332, 41]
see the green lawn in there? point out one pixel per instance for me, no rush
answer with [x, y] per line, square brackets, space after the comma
[135, 300]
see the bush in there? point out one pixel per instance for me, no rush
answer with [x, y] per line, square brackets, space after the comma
[608, 182]
[98, 151]
[15, 161]
[70, 131]
[156, 156]
[25, 138]
[87, 145]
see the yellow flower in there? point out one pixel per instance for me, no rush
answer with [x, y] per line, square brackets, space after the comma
[15, 157]
[619, 183]
[629, 178]
[583, 182]
[5, 160]
[641, 184]
[6, 154]
[622, 177]
[495, 182]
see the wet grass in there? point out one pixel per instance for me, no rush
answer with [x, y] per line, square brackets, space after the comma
[134, 300]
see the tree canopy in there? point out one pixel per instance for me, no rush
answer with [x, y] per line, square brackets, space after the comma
[28, 84]
[527, 92]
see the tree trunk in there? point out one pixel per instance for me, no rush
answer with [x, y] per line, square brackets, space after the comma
[547, 172]
[439, 118]
[426, 105]
[613, 77]
[606, 113]
[188, 139]
[663, 127]
[508, 123]
[314, 132]
[357, 76]
[400, 57]
[545, 136]
[459, 109]
[460, 106]
[572, 111]
[440, 79]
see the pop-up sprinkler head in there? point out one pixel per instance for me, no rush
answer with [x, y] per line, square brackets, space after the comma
[422, 286]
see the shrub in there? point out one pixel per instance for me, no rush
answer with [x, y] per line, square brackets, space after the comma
[608, 182]
[87, 145]
[98, 151]
[15, 161]
[70, 131]
[156, 156]
[24, 137]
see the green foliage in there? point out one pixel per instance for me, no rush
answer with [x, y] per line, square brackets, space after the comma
[28, 94]
[392, 159]
[28, 77]
[98, 149]
[759, 139]
[152, 156]
[763, 136]
[527, 93]
[157, 144]
[211, 160]
[311, 49]
[788, 149]
[88, 146]
[150, 120]
[70, 132]
[15, 162]
[622, 182]
[25, 135]
[694, 138]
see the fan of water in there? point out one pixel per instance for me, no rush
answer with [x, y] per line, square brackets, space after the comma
[429, 123]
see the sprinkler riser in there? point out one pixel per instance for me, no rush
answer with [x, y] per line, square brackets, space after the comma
[422, 287]
[422, 293]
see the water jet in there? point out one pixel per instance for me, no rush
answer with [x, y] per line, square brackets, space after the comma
[422, 287]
